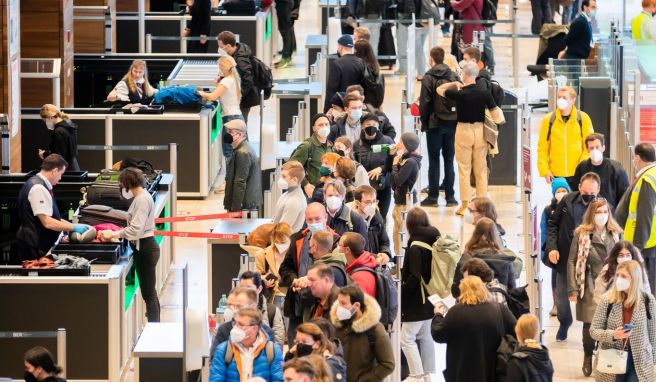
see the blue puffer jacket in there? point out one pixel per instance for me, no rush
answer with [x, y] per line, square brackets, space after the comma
[220, 372]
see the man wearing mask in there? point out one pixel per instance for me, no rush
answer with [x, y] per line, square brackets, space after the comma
[368, 150]
[560, 232]
[294, 267]
[242, 54]
[386, 126]
[344, 71]
[348, 125]
[291, 205]
[614, 180]
[635, 211]
[367, 346]
[249, 354]
[340, 217]
[360, 264]
[321, 251]
[310, 151]
[240, 297]
[561, 143]
[243, 177]
[271, 314]
[40, 221]
[579, 40]
[366, 205]
[323, 288]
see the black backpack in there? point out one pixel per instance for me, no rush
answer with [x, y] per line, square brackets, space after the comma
[374, 87]
[262, 77]
[517, 300]
[489, 11]
[386, 293]
[442, 106]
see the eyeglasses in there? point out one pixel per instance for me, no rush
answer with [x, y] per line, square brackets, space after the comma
[240, 326]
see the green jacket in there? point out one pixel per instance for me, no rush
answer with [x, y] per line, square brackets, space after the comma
[309, 154]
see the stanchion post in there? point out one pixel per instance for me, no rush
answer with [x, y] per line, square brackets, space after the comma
[4, 128]
[515, 44]
[404, 107]
[61, 350]
[109, 140]
[432, 36]
[173, 165]
[635, 117]
[149, 43]
[141, 9]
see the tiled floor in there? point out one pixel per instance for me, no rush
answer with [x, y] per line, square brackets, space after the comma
[566, 357]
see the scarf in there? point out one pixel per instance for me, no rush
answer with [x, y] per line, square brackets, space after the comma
[585, 241]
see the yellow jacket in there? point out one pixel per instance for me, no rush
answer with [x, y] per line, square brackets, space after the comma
[565, 148]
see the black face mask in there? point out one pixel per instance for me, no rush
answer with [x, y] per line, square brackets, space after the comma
[588, 198]
[29, 377]
[303, 350]
[341, 153]
[227, 138]
[371, 130]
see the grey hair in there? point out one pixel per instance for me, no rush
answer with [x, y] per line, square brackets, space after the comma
[470, 70]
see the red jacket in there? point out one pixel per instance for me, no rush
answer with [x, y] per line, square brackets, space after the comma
[365, 279]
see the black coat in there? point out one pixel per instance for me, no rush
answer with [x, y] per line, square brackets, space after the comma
[340, 223]
[614, 179]
[403, 175]
[338, 127]
[378, 240]
[243, 180]
[560, 228]
[417, 265]
[532, 363]
[578, 39]
[200, 21]
[363, 153]
[472, 334]
[344, 71]
[501, 265]
[63, 141]
[242, 56]
[434, 108]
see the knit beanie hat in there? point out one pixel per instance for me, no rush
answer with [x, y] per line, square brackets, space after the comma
[557, 183]
[410, 141]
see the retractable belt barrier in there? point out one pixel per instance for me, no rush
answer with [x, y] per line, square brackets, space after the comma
[201, 235]
[193, 218]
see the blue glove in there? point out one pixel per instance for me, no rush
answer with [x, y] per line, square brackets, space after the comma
[80, 228]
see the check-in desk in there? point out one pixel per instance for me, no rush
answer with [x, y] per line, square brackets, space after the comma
[288, 95]
[224, 260]
[103, 313]
[197, 136]
[327, 9]
[255, 31]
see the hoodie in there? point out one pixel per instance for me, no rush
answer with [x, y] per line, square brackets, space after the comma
[501, 265]
[366, 280]
[404, 175]
[532, 363]
[63, 141]
[337, 262]
[433, 108]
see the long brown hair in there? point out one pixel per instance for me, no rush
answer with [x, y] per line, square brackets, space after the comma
[314, 331]
[485, 237]
[364, 50]
[588, 223]
[130, 80]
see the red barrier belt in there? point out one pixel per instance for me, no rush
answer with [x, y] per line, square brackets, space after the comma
[199, 235]
[192, 218]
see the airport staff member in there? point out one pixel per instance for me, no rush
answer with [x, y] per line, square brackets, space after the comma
[39, 216]
[134, 86]
[140, 231]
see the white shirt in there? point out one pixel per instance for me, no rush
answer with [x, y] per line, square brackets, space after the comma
[248, 356]
[229, 100]
[353, 132]
[40, 198]
[291, 208]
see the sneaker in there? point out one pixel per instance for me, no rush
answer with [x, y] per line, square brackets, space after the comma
[587, 365]
[220, 189]
[412, 378]
[281, 63]
[429, 202]
[424, 190]
[561, 335]
[451, 203]
[461, 211]
[288, 64]
[554, 311]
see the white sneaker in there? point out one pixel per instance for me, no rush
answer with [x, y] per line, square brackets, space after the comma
[427, 377]
[220, 189]
[412, 378]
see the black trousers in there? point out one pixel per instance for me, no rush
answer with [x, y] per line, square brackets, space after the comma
[196, 46]
[441, 143]
[27, 252]
[384, 197]
[588, 342]
[541, 15]
[145, 260]
[286, 27]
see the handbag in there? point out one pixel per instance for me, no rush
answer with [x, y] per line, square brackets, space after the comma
[611, 361]
[491, 133]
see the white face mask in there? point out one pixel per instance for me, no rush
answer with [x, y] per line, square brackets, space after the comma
[50, 125]
[601, 220]
[343, 314]
[323, 132]
[220, 73]
[237, 335]
[462, 64]
[333, 203]
[222, 52]
[596, 156]
[621, 260]
[282, 247]
[127, 194]
[283, 184]
[559, 195]
[468, 217]
[140, 81]
[228, 314]
[562, 103]
[369, 210]
[622, 284]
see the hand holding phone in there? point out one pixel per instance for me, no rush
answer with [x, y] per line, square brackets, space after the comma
[629, 327]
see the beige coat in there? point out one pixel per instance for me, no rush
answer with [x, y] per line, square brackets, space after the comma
[265, 263]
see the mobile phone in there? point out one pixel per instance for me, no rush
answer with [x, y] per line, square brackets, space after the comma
[271, 276]
[628, 326]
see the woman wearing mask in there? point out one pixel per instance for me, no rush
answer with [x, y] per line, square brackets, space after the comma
[369, 151]
[559, 188]
[484, 244]
[344, 147]
[626, 319]
[592, 242]
[530, 363]
[364, 50]
[472, 331]
[63, 137]
[345, 171]
[134, 87]
[268, 260]
[40, 366]
[622, 252]
[310, 339]
[416, 309]
[327, 172]
[140, 232]
[310, 152]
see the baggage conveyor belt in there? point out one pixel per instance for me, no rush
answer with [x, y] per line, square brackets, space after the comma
[197, 72]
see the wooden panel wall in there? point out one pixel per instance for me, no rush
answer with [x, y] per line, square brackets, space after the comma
[10, 62]
[130, 5]
[90, 34]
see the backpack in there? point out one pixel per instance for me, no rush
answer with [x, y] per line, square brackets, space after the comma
[553, 119]
[262, 77]
[445, 256]
[374, 87]
[442, 106]
[505, 349]
[269, 350]
[310, 152]
[517, 300]
[489, 11]
[386, 293]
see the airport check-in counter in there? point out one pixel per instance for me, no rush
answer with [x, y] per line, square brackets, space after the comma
[103, 313]
[255, 31]
[197, 136]
[288, 96]
[225, 257]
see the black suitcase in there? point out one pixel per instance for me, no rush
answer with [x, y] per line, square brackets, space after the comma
[108, 194]
[99, 214]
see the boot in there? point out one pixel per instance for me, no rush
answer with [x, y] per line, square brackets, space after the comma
[461, 210]
[587, 365]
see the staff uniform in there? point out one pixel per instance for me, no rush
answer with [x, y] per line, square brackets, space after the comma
[141, 93]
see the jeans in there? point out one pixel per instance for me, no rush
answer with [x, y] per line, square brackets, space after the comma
[541, 15]
[285, 27]
[398, 222]
[471, 155]
[227, 147]
[448, 11]
[440, 141]
[631, 374]
[423, 362]
[145, 260]
[562, 301]
[420, 55]
[488, 49]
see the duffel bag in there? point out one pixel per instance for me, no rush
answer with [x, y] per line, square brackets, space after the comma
[99, 214]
